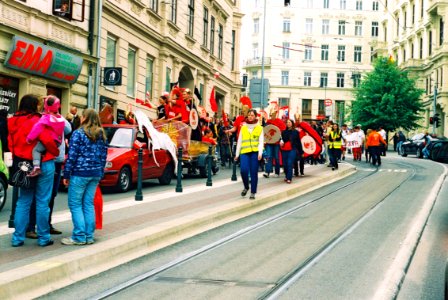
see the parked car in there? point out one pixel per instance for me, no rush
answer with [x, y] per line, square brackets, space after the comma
[438, 150]
[415, 145]
[122, 158]
[3, 179]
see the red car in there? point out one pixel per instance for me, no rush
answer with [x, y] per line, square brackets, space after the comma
[122, 158]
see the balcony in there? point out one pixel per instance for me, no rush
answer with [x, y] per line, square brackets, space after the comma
[254, 62]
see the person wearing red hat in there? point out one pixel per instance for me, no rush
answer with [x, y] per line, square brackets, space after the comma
[51, 120]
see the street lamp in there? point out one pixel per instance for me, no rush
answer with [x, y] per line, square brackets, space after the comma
[262, 56]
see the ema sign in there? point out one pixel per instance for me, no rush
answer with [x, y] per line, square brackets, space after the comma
[39, 59]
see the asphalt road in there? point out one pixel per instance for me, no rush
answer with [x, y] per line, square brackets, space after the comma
[353, 239]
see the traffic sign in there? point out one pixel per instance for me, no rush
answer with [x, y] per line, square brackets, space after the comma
[328, 102]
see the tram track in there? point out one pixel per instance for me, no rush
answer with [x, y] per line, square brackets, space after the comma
[296, 272]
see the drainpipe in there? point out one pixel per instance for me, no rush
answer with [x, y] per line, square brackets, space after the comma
[90, 48]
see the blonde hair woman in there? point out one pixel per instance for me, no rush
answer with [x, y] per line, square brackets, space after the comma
[82, 172]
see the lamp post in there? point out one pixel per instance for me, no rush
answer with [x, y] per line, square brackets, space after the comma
[434, 124]
[262, 56]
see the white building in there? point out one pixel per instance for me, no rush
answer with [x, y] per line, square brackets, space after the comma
[313, 50]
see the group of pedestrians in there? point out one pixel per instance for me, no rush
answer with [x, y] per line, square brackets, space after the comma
[40, 138]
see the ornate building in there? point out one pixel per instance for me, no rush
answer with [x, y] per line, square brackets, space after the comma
[413, 32]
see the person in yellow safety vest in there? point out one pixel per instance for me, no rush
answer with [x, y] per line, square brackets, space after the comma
[250, 149]
[334, 145]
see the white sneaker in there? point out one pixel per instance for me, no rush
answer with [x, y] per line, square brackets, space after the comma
[276, 175]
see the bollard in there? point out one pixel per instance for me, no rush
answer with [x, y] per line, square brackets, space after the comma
[179, 171]
[209, 167]
[138, 194]
[15, 196]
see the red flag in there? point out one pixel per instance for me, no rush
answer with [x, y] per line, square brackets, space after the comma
[213, 104]
[225, 119]
[139, 101]
[246, 101]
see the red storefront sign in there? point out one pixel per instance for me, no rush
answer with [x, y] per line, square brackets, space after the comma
[39, 59]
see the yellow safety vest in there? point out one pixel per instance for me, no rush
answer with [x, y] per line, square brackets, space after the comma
[335, 140]
[249, 141]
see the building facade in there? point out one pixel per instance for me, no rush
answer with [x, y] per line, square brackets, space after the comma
[311, 51]
[120, 51]
[413, 32]
[44, 50]
[157, 44]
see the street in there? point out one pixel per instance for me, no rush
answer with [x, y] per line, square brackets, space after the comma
[349, 239]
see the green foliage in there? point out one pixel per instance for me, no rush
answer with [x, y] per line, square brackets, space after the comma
[387, 97]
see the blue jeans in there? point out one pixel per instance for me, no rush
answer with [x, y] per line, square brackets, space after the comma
[249, 164]
[289, 158]
[272, 151]
[42, 193]
[81, 192]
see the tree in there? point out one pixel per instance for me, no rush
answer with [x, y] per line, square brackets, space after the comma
[387, 97]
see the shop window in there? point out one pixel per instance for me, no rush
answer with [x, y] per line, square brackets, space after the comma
[9, 94]
[72, 10]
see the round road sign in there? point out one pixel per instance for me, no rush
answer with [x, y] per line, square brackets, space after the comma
[328, 102]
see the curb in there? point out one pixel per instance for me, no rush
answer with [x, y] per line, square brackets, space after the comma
[39, 278]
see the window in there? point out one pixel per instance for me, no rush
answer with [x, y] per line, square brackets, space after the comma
[441, 32]
[285, 52]
[341, 27]
[306, 106]
[321, 108]
[168, 79]
[173, 15]
[324, 52]
[413, 14]
[404, 54]
[375, 6]
[342, 4]
[256, 26]
[420, 54]
[285, 78]
[232, 50]
[412, 49]
[325, 26]
[358, 28]
[430, 42]
[255, 50]
[111, 54]
[286, 25]
[190, 17]
[154, 5]
[340, 80]
[69, 9]
[307, 78]
[356, 79]
[405, 18]
[357, 54]
[309, 3]
[212, 35]
[358, 4]
[149, 75]
[326, 3]
[254, 74]
[323, 80]
[220, 40]
[308, 52]
[397, 18]
[205, 33]
[375, 28]
[340, 111]
[287, 2]
[130, 86]
[283, 102]
[422, 9]
[341, 53]
[308, 26]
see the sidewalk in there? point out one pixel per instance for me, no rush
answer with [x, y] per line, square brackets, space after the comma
[132, 229]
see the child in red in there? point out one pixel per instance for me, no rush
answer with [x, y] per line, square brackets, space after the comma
[51, 123]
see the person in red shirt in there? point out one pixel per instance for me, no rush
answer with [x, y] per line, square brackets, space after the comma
[273, 150]
[208, 137]
[19, 126]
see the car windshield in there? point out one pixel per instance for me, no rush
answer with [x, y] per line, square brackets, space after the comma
[119, 137]
[418, 136]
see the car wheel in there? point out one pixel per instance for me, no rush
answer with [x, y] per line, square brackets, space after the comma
[167, 175]
[402, 152]
[124, 180]
[3, 187]
[419, 153]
